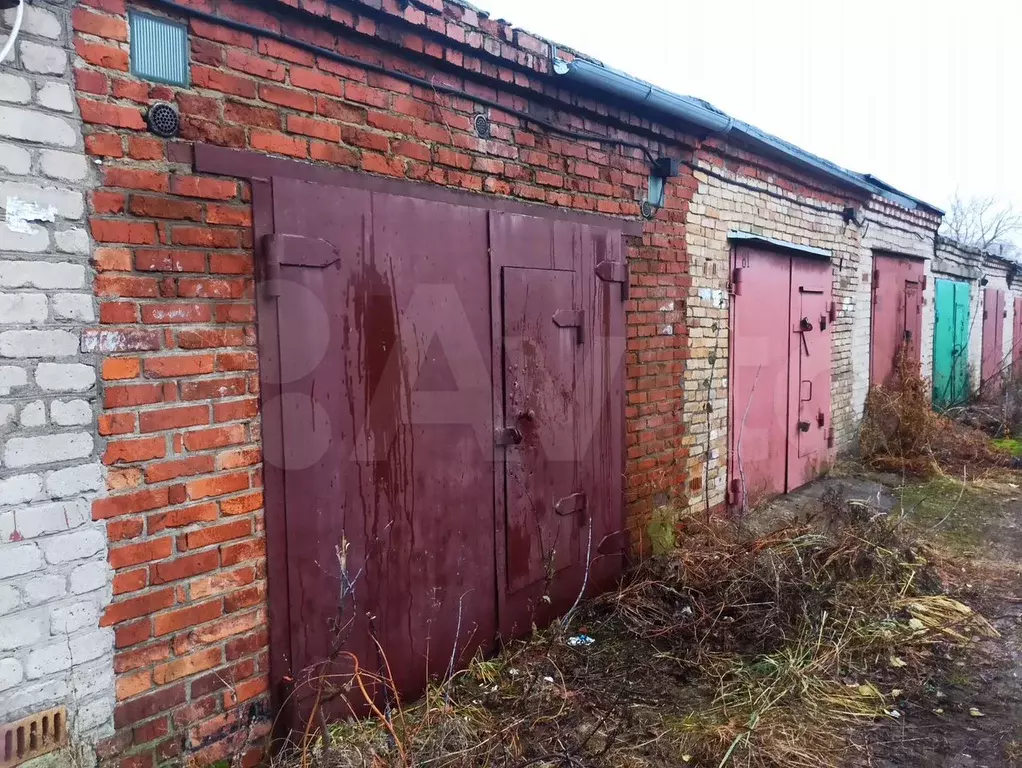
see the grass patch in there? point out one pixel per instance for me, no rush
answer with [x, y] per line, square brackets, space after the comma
[953, 512]
[1010, 445]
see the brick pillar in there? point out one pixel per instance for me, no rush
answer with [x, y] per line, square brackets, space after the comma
[54, 577]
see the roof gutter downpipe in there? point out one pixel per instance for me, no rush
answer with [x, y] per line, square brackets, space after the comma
[627, 87]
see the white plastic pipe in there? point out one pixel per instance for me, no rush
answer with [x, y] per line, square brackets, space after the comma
[9, 45]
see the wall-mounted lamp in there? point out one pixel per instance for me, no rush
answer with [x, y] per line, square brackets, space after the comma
[663, 168]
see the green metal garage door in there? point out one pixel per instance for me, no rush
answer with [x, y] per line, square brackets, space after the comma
[951, 344]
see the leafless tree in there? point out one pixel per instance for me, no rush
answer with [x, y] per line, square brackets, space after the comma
[983, 222]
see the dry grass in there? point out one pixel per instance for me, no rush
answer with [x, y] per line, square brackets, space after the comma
[731, 650]
[901, 432]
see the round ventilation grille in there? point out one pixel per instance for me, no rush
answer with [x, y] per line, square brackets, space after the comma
[163, 120]
[482, 126]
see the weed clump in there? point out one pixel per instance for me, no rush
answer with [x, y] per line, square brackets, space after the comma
[901, 432]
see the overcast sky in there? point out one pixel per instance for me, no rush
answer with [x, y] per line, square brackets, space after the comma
[925, 95]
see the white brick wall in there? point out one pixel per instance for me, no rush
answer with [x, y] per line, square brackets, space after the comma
[54, 578]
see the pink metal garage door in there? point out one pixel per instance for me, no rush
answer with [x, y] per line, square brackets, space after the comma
[896, 322]
[780, 373]
[1016, 339]
[992, 358]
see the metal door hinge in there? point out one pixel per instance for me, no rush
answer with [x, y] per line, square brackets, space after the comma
[734, 287]
[293, 251]
[571, 505]
[270, 248]
[615, 272]
[571, 318]
[734, 491]
[830, 437]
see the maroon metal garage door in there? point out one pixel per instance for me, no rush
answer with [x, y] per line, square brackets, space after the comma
[780, 432]
[992, 353]
[443, 429]
[897, 319]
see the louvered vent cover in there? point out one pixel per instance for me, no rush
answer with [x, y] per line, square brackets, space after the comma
[159, 49]
[32, 736]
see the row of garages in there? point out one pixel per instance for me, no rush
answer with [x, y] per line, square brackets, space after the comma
[402, 324]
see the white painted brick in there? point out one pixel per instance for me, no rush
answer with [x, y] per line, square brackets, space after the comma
[66, 203]
[10, 377]
[10, 598]
[32, 522]
[8, 530]
[73, 241]
[41, 274]
[65, 377]
[74, 480]
[43, 59]
[55, 657]
[45, 588]
[76, 545]
[22, 630]
[45, 449]
[70, 413]
[36, 21]
[66, 619]
[66, 166]
[30, 697]
[24, 558]
[73, 306]
[6, 414]
[20, 489]
[38, 343]
[22, 308]
[28, 125]
[93, 714]
[56, 96]
[91, 646]
[36, 241]
[90, 577]
[90, 679]
[11, 673]
[33, 414]
[14, 159]
[14, 89]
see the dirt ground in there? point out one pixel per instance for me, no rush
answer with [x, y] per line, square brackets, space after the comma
[969, 714]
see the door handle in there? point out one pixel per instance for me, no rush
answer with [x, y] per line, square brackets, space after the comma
[508, 436]
[802, 387]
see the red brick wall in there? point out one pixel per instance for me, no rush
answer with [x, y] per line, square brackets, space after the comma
[175, 281]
